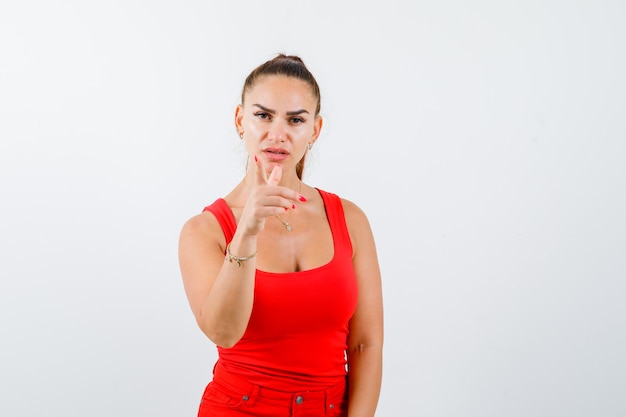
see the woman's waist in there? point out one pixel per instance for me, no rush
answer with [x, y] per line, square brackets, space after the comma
[283, 379]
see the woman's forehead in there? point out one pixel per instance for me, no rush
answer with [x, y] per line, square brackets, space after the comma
[280, 88]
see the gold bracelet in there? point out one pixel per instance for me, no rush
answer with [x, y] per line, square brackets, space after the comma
[239, 259]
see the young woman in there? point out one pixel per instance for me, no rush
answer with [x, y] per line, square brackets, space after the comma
[281, 276]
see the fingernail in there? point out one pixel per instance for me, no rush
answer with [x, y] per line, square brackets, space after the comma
[285, 208]
[256, 159]
[302, 198]
[293, 206]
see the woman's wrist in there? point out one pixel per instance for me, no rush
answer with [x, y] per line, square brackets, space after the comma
[239, 260]
[241, 248]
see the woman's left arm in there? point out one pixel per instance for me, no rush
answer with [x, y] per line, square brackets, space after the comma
[365, 340]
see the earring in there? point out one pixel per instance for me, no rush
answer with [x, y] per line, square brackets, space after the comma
[241, 135]
[310, 145]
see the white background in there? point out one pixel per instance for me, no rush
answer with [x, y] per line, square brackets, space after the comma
[484, 139]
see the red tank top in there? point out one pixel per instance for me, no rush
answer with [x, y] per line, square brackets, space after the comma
[297, 333]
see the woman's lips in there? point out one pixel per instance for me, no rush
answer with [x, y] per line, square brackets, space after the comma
[275, 154]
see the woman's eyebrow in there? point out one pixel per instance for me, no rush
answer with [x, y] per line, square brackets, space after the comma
[289, 113]
[293, 113]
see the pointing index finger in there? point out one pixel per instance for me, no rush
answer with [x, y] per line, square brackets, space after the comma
[275, 175]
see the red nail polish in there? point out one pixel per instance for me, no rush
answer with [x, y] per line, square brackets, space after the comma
[285, 208]
[293, 206]
[256, 159]
[301, 198]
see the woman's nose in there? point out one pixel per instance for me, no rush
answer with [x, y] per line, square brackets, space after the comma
[277, 131]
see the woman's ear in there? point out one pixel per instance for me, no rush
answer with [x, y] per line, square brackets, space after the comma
[239, 119]
[317, 127]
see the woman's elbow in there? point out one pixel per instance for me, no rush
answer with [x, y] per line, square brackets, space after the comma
[224, 338]
[360, 347]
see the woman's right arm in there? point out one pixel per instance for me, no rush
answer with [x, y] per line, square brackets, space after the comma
[220, 293]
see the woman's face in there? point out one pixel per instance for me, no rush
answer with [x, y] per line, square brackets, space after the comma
[278, 120]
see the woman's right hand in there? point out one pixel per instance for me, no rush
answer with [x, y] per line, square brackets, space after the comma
[266, 199]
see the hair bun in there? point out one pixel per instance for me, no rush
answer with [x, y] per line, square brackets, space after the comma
[294, 58]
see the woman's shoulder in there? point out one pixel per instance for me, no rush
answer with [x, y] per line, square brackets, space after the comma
[352, 211]
[357, 223]
[354, 214]
[202, 225]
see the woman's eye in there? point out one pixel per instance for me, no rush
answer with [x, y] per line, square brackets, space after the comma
[297, 120]
[262, 115]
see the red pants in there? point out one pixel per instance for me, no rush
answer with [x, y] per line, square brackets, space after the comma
[230, 396]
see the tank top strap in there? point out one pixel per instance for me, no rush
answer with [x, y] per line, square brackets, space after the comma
[337, 221]
[224, 216]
